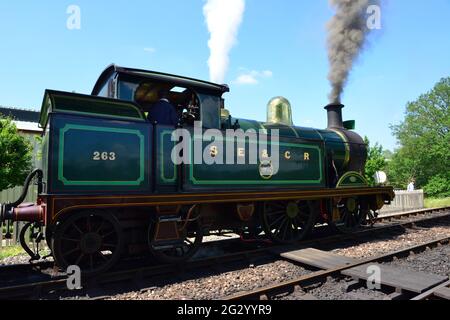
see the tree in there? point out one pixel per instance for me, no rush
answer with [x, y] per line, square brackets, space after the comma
[388, 154]
[15, 156]
[376, 161]
[424, 139]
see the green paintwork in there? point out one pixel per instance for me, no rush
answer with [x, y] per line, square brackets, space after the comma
[71, 133]
[63, 102]
[45, 158]
[111, 174]
[74, 164]
[350, 125]
[167, 170]
[84, 124]
[334, 143]
[295, 171]
[351, 180]
[336, 146]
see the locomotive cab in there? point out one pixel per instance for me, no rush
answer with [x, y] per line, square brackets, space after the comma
[194, 100]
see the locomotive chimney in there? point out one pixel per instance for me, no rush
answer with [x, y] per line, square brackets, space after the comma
[334, 111]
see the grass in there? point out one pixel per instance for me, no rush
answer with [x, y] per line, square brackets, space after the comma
[437, 203]
[13, 251]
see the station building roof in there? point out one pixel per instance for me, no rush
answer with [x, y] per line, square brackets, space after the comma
[25, 120]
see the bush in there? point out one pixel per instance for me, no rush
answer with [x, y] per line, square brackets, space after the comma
[438, 187]
[15, 156]
[376, 161]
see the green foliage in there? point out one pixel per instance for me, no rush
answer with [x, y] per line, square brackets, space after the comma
[10, 252]
[15, 156]
[437, 203]
[388, 154]
[438, 186]
[424, 139]
[401, 169]
[376, 161]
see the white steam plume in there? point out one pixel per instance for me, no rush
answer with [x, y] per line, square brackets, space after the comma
[347, 32]
[223, 18]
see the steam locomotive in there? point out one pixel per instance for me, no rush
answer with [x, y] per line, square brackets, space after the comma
[109, 188]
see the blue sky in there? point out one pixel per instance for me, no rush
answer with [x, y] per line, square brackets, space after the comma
[281, 43]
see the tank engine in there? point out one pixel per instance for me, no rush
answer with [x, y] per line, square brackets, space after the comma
[109, 188]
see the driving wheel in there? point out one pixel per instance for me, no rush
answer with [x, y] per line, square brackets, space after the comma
[288, 221]
[91, 240]
[350, 215]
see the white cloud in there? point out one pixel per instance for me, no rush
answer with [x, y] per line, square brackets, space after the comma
[253, 77]
[267, 74]
[150, 50]
[246, 79]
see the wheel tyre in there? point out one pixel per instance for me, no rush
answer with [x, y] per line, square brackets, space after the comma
[62, 229]
[300, 234]
[353, 220]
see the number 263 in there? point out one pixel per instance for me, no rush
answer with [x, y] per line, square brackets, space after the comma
[104, 156]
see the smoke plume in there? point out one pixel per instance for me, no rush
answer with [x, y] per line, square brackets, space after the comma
[347, 32]
[223, 18]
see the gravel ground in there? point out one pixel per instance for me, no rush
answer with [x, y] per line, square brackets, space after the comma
[434, 261]
[229, 283]
[383, 245]
[21, 259]
[222, 285]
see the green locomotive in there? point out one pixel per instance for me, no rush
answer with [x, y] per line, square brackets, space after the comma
[109, 186]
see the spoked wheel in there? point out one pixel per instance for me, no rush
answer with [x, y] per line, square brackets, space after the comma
[288, 221]
[91, 240]
[350, 216]
[179, 250]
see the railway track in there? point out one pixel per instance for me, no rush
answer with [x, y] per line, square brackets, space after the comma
[298, 284]
[41, 280]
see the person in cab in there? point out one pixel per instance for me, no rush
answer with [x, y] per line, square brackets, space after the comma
[163, 112]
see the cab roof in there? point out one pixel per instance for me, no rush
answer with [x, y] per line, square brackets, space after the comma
[200, 85]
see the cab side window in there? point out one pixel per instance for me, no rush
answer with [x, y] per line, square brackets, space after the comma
[108, 90]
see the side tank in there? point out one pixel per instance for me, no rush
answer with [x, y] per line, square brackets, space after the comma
[343, 149]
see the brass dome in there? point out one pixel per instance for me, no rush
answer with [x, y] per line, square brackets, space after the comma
[279, 111]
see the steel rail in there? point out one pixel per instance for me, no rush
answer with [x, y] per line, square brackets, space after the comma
[315, 277]
[430, 293]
